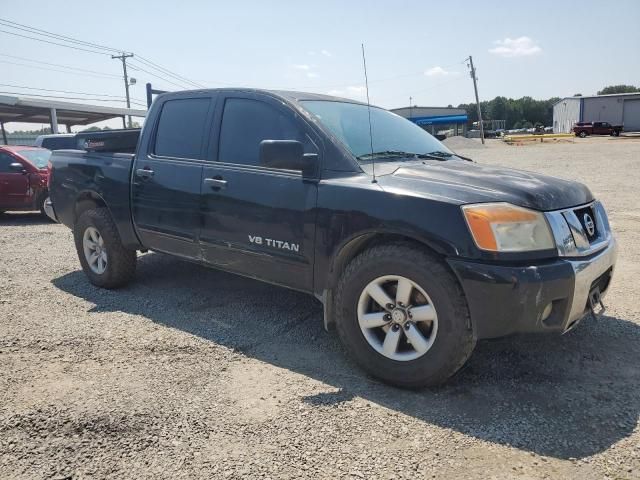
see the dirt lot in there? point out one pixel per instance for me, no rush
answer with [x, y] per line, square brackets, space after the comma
[193, 373]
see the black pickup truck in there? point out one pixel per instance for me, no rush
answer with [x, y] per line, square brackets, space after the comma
[414, 251]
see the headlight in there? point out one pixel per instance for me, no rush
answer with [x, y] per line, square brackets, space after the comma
[502, 227]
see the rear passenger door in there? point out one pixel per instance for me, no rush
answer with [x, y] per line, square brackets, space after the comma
[258, 221]
[167, 175]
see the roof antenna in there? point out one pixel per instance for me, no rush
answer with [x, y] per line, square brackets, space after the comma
[366, 83]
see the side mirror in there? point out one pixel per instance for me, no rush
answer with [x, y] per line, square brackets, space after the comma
[288, 155]
[18, 167]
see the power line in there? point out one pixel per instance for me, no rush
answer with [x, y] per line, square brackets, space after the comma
[93, 46]
[154, 75]
[38, 31]
[61, 91]
[166, 71]
[54, 70]
[111, 75]
[53, 43]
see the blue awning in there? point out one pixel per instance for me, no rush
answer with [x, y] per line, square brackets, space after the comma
[440, 120]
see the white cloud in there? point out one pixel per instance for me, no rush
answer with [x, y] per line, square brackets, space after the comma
[326, 53]
[515, 47]
[302, 66]
[438, 72]
[312, 75]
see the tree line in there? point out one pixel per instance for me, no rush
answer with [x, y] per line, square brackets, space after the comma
[527, 112]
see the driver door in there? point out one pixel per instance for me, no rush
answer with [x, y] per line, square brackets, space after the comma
[258, 221]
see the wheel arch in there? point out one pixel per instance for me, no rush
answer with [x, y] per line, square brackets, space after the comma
[362, 241]
[87, 200]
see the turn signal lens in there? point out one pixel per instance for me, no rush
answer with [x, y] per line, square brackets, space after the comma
[502, 227]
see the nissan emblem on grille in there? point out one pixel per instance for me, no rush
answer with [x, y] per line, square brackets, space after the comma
[589, 225]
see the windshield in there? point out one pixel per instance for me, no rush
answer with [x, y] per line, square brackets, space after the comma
[394, 137]
[39, 157]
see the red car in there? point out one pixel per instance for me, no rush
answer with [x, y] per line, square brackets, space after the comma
[23, 178]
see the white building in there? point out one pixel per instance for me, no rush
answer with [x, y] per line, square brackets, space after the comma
[617, 109]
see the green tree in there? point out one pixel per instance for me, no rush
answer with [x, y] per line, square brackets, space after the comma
[618, 89]
[524, 112]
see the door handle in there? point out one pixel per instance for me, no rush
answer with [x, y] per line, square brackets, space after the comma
[144, 173]
[215, 183]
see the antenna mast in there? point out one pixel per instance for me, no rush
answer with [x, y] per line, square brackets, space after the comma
[366, 84]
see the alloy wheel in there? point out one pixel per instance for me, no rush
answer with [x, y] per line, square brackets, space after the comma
[94, 251]
[397, 318]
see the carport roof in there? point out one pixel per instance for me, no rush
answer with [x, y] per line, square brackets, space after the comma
[33, 110]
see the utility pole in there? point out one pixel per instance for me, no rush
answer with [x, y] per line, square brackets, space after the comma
[475, 87]
[410, 108]
[124, 57]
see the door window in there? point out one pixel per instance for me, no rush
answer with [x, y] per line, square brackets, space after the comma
[246, 122]
[5, 161]
[181, 128]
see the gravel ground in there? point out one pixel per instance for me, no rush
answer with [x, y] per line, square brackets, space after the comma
[194, 373]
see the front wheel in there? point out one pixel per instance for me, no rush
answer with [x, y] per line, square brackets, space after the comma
[105, 261]
[403, 316]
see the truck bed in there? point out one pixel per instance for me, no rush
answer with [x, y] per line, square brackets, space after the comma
[107, 175]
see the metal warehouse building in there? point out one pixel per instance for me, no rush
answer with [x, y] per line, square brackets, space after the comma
[617, 109]
[435, 119]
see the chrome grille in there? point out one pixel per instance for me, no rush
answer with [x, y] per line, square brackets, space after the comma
[574, 235]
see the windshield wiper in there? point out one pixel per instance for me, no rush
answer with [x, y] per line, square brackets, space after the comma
[386, 154]
[440, 155]
[436, 155]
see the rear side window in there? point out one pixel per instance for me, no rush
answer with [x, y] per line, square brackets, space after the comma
[245, 123]
[181, 129]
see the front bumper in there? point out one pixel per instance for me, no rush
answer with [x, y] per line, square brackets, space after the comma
[505, 299]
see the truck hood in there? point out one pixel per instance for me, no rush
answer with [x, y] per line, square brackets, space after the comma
[464, 182]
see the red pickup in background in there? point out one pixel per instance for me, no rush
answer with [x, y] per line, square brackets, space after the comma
[582, 129]
[23, 178]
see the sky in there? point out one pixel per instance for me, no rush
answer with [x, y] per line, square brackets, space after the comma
[414, 49]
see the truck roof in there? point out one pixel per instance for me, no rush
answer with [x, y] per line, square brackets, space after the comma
[289, 95]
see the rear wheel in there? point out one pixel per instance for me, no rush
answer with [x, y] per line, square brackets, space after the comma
[582, 134]
[403, 316]
[105, 261]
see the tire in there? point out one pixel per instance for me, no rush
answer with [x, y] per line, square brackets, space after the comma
[453, 340]
[120, 262]
[40, 206]
[582, 134]
[616, 133]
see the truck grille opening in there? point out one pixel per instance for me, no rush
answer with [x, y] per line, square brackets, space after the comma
[584, 214]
